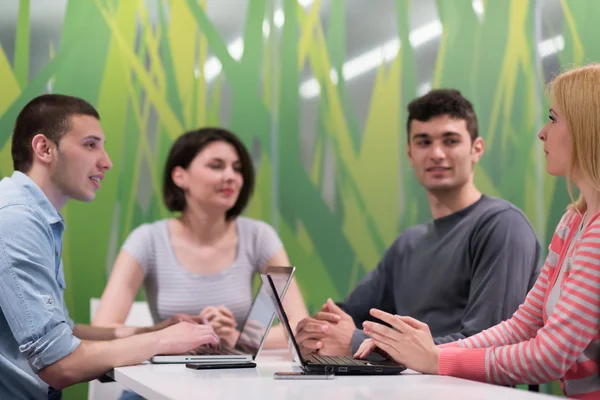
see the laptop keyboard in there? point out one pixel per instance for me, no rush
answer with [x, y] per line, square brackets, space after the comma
[335, 360]
[208, 351]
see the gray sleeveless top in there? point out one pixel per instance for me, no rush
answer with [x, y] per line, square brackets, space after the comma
[171, 289]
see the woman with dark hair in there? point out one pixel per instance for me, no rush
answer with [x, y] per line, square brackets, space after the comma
[201, 262]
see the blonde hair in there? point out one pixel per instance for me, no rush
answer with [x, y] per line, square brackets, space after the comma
[576, 93]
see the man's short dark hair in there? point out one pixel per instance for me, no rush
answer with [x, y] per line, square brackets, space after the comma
[50, 115]
[440, 102]
[186, 148]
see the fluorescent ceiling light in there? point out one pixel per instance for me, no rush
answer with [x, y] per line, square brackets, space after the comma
[309, 89]
[374, 58]
[355, 67]
[551, 46]
[423, 88]
[278, 18]
[334, 76]
[305, 3]
[371, 59]
[478, 8]
[425, 33]
[213, 66]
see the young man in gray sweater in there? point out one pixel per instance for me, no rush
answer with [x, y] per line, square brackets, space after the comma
[466, 270]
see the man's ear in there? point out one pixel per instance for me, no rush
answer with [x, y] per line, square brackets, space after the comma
[477, 150]
[44, 149]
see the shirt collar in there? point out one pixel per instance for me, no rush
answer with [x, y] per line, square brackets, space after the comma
[50, 213]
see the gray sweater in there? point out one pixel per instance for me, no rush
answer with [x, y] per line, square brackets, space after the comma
[459, 274]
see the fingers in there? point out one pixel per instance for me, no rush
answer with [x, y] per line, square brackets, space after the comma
[207, 335]
[333, 308]
[373, 329]
[327, 316]
[225, 330]
[366, 347]
[203, 328]
[393, 320]
[378, 336]
[317, 334]
[310, 346]
[228, 335]
[217, 316]
[387, 349]
[210, 314]
[413, 322]
[207, 310]
[195, 319]
[315, 327]
[302, 323]
[225, 311]
[222, 321]
[182, 318]
[312, 322]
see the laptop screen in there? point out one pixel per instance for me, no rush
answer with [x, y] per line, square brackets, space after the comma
[268, 283]
[262, 312]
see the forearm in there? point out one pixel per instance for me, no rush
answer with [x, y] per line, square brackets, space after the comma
[94, 358]
[87, 332]
[276, 338]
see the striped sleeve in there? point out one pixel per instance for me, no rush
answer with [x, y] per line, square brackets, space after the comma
[567, 332]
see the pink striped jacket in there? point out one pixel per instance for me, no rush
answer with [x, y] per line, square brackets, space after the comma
[554, 334]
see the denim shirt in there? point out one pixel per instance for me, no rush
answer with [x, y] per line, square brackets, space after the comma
[35, 328]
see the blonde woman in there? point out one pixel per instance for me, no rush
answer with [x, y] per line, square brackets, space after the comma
[554, 334]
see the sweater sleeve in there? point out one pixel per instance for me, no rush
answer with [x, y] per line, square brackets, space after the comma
[552, 350]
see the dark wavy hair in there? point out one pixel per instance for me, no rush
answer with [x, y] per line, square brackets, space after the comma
[186, 148]
[440, 102]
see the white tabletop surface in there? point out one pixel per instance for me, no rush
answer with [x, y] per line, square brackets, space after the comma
[175, 381]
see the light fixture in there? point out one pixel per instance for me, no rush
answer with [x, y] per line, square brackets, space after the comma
[212, 66]
[374, 58]
[551, 46]
[423, 88]
[478, 8]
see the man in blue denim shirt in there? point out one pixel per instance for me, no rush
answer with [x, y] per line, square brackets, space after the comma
[58, 154]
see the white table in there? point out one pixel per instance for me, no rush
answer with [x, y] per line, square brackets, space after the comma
[176, 382]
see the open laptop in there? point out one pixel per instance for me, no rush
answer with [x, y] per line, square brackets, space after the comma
[254, 330]
[339, 365]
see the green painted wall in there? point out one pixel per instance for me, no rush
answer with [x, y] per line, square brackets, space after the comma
[336, 209]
